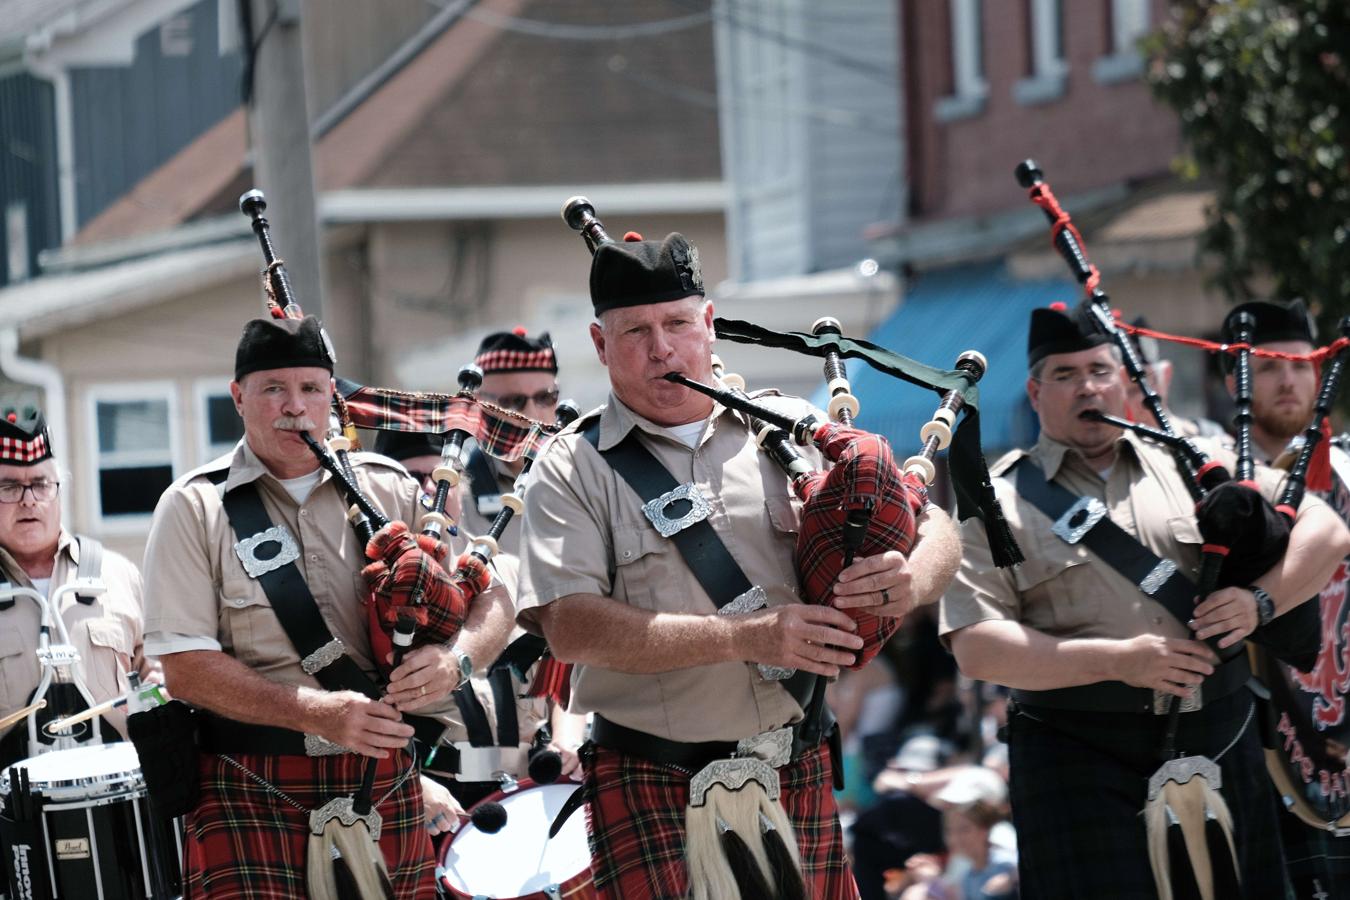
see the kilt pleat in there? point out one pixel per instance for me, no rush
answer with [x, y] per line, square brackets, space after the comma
[244, 842]
[635, 820]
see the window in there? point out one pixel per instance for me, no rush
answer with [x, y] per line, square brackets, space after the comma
[1128, 23]
[220, 426]
[969, 87]
[133, 458]
[1048, 66]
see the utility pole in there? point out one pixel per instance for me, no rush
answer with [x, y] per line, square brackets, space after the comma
[279, 127]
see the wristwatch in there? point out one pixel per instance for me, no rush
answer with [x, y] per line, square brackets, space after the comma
[465, 665]
[1265, 605]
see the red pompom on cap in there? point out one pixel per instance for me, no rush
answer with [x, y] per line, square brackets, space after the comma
[630, 237]
[1059, 306]
[519, 331]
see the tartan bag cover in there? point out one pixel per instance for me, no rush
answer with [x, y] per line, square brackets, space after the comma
[502, 433]
[403, 565]
[864, 476]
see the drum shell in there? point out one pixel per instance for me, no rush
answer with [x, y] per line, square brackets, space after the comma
[96, 833]
[515, 847]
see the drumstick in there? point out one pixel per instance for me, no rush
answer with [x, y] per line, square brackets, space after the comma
[56, 725]
[22, 713]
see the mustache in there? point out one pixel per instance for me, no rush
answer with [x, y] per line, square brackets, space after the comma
[293, 423]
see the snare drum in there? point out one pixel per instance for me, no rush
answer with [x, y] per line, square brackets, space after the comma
[95, 836]
[520, 862]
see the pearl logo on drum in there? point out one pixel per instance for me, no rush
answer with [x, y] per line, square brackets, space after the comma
[72, 848]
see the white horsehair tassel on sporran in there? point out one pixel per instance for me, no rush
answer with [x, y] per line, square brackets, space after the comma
[733, 819]
[1189, 826]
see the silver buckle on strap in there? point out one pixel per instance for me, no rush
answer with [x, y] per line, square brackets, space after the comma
[247, 551]
[747, 602]
[773, 747]
[321, 746]
[326, 655]
[1158, 577]
[655, 510]
[1162, 700]
[1079, 519]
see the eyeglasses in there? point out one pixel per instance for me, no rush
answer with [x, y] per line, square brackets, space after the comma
[545, 399]
[13, 491]
[1101, 376]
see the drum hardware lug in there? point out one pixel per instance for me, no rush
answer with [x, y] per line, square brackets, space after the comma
[59, 655]
[508, 782]
[554, 891]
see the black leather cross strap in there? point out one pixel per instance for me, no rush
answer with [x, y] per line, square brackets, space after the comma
[1109, 542]
[473, 715]
[711, 563]
[300, 618]
[291, 599]
[709, 559]
[504, 696]
[1115, 547]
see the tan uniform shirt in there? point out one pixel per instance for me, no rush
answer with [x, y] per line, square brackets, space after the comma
[197, 586]
[585, 533]
[1063, 590]
[106, 633]
[474, 522]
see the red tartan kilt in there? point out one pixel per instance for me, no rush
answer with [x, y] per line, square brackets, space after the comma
[864, 470]
[635, 814]
[244, 842]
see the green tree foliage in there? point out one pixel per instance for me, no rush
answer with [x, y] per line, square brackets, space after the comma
[1259, 86]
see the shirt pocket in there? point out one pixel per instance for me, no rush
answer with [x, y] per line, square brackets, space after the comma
[249, 629]
[14, 680]
[646, 568]
[110, 650]
[1059, 589]
[785, 514]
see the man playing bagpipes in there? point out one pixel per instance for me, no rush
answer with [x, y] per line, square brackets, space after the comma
[678, 689]
[255, 604]
[1309, 762]
[1083, 634]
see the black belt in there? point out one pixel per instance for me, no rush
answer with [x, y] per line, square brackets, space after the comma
[684, 755]
[1116, 696]
[222, 735]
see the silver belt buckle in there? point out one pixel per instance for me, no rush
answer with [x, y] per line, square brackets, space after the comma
[1079, 519]
[1193, 703]
[773, 747]
[247, 551]
[655, 510]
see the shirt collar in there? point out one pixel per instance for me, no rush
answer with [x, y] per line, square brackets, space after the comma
[245, 466]
[617, 420]
[1052, 454]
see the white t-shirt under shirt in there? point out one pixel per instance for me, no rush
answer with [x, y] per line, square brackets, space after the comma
[687, 434]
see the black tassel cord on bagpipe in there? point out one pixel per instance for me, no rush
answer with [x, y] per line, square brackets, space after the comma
[866, 504]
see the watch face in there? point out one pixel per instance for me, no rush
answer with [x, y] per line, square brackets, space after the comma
[465, 665]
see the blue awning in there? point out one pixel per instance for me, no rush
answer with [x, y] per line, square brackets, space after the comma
[944, 313]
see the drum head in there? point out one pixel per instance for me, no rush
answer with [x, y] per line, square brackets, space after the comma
[1312, 719]
[519, 859]
[103, 766]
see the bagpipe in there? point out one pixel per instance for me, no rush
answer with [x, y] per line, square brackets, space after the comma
[412, 595]
[1188, 823]
[865, 504]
